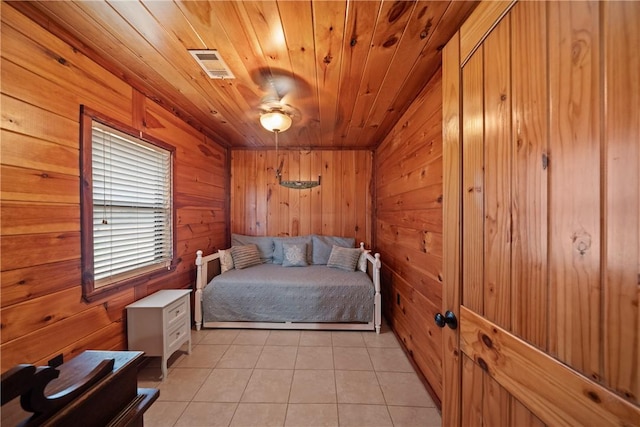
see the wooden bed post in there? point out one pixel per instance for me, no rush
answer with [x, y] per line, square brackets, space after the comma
[197, 312]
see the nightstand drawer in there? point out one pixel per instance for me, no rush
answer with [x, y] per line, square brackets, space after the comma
[176, 312]
[177, 336]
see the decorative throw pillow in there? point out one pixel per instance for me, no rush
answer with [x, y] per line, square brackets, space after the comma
[362, 261]
[295, 255]
[278, 252]
[264, 244]
[344, 258]
[245, 256]
[226, 260]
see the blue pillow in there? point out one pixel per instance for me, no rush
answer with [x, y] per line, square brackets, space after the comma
[322, 246]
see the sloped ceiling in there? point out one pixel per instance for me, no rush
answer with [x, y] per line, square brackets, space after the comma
[346, 70]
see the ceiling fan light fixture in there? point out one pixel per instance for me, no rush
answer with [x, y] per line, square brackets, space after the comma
[275, 120]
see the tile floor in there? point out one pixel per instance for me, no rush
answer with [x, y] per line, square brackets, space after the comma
[289, 378]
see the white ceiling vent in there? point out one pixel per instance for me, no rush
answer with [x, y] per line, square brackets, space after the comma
[212, 64]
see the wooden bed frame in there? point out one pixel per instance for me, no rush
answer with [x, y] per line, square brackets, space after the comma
[207, 268]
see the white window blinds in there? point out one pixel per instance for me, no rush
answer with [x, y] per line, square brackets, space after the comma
[132, 206]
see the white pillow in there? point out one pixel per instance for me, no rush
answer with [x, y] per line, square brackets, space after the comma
[362, 261]
[226, 260]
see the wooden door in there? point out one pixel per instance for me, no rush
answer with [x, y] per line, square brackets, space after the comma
[541, 139]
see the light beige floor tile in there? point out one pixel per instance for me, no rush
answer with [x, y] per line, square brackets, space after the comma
[251, 337]
[403, 389]
[347, 339]
[182, 384]
[203, 356]
[313, 386]
[314, 358]
[315, 339]
[219, 336]
[408, 416]
[197, 336]
[312, 415]
[390, 360]
[259, 415]
[240, 356]
[352, 359]
[383, 340]
[201, 414]
[268, 386]
[358, 387]
[224, 385]
[283, 338]
[164, 414]
[364, 416]
[277, 357]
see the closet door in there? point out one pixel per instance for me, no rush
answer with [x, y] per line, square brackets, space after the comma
[542, 216]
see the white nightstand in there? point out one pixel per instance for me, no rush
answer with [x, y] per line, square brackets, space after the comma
[160, 323]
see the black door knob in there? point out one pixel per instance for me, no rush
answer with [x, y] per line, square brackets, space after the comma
[447, 319]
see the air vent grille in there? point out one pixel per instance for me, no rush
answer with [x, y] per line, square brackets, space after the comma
[212, 64]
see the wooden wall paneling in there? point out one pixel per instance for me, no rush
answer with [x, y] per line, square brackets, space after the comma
[328, 192]
[284, 224]
[574, 210]
[317, 169]
[65, 332]
[34, 49]
[250, 194]
[473, 183]
[621, 265]
[304, 197]
[21, 284]
[111, 337]
[450, 220]
[18, 84]
[272, 195]
[262, 178]
[328, 38]
[36, 313]
[238, 161]
[294, 195]
[497, 174]
[26, 119]
[529, 182]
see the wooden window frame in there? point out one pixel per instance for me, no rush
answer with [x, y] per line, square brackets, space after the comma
[89, 291]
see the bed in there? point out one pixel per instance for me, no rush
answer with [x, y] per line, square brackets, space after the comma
[271, 294]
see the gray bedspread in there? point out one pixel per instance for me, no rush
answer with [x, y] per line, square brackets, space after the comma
[272, 293]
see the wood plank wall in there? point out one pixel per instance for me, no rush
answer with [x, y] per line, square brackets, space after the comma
[408, 229]
[340, 206]
[44, 82]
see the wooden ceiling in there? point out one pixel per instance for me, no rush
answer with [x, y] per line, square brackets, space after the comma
[346, 69]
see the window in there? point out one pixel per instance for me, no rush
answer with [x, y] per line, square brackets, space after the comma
[127, 206]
